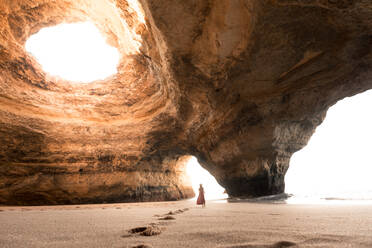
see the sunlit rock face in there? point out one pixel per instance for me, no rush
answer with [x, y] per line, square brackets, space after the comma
[241, 85]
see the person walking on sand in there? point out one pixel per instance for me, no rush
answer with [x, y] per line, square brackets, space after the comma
[201, 199]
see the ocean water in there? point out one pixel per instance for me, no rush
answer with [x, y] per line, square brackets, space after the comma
[360, 197]
[357, 198]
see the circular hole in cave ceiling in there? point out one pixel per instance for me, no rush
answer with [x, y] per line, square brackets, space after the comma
[76, 52]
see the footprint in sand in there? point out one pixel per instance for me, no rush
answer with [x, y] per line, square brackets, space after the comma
[167, 217]
[178, 211]
[283, 244]
[153, 228]
[149, 230]
[142, 246]
[280, 244]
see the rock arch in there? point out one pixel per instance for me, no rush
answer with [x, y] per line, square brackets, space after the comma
[239, 84]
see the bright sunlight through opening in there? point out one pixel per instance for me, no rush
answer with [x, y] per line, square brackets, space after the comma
[76, 52]
[337, 162]
[199, 175]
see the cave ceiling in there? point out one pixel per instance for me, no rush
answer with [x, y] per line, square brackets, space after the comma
[240, 84]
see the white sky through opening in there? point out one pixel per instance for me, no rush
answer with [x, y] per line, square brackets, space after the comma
[199, 175]
[77, 52]
[337, 162]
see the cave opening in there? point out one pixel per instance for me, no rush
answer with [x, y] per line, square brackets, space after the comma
[77, 52]
[336, 163]
[199, 175]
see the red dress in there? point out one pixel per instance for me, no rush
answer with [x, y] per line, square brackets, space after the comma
[201, 200]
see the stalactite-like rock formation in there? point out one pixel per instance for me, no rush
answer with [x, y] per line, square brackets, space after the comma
[239, 84]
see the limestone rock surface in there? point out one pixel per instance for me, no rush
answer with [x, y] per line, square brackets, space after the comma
[240, 84]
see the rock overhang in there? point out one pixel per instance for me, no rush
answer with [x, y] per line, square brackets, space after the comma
[239, 84]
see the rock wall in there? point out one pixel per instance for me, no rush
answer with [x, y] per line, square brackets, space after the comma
[239, 84]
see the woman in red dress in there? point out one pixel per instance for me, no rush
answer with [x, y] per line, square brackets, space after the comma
[201, 199]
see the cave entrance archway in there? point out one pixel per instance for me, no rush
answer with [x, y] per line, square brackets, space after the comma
[198, 175]
[77, 52]
[337, 162]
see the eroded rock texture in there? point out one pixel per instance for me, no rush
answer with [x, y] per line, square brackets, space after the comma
[240, 84]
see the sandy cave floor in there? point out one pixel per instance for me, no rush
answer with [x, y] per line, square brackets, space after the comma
[220, 224]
